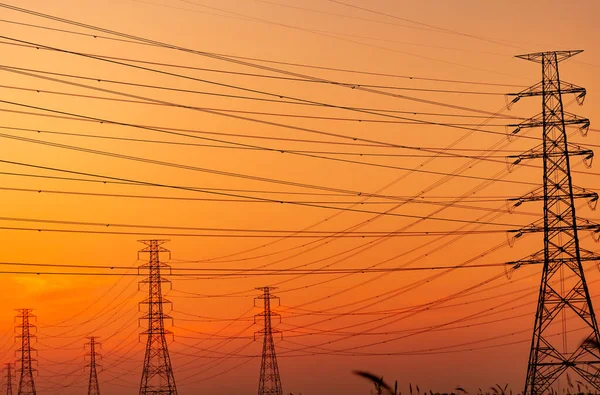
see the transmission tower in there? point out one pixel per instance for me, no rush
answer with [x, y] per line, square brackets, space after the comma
[157, 376]
[93, 387]
[26, 384]
[269, 383]
[9, 379]
[564, 295]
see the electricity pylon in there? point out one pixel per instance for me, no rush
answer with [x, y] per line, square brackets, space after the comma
[26, 384]
[270, 382]
[9, 378]
[93, 387]
[564, 295]
[157, 375]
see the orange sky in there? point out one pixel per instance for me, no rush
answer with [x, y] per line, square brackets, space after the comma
[231, 150]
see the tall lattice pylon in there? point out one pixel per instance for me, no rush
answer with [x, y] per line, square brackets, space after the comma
[92, 354]
[269, 382]
[9, 379]
[564, 296]
[157, 376]
[26, 383]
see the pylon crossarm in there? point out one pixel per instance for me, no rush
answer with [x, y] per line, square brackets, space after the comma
[529, 91]
[537, 154]
[574, 119]
[536, 90]
[532, 259]
[533, 122]
[536, 194]
[539, 228]
[558, 56]
[538, 121]
[536, 197]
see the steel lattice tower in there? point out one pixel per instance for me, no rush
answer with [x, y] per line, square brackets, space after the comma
[564, 294]
[270, 382]
[9, 379]
[93, 387]
[157, 376]
[26, 384]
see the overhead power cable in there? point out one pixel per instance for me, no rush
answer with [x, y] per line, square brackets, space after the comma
[336, 36]
[246, 118]
[247, 232]
[343, 202]
[259, 137]
[264, 113]
[246, 235]
[213, 171]
[217, 271]
[341, 153]
[421, 24]
[449, 151]
[291, 79]
[237, 195]
[363, 72]
[211, 55]
[253, 98]
[489, 198]
[380, 22]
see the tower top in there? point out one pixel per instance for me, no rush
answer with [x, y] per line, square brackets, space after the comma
[560, 55]
[154, 241]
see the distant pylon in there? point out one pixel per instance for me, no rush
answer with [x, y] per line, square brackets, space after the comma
[9, 378]
[157, 375]
[93, 387]
[269, 382]
[564, 295]
[26, 384]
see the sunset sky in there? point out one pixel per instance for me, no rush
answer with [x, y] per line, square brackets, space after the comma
[350, 153]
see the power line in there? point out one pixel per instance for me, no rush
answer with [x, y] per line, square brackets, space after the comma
[391, 197]
[341, 202]
[408, 77]
[272, 114]
[259, 137]
[182, 90]
[211, 55]
[255, 120]
[333, 35]
[218, 271]
[249, 231]
[224, 173]
[291, 79]
[257, 236]
[229, 142]
[435, 28]
[236, 195]
[436, 152]
[379, 22]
